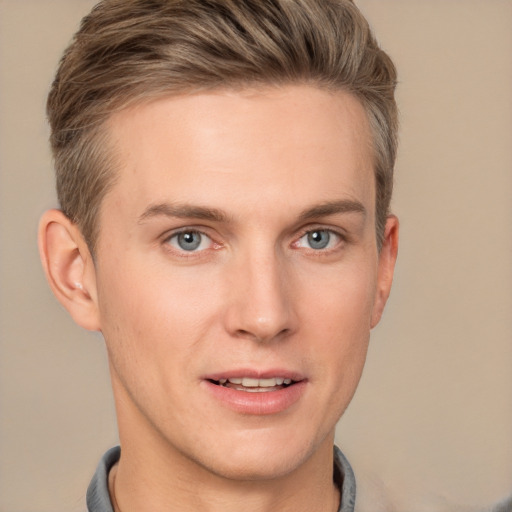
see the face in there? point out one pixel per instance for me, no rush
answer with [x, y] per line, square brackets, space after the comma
[238, 276]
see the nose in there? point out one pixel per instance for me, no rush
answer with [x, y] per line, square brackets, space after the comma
[260, 305]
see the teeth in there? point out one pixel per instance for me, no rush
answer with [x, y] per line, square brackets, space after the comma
[249, 382]
[267, 383]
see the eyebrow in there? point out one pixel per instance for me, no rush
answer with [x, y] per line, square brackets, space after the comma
[186, 211]
[333, 208]
[183, 211]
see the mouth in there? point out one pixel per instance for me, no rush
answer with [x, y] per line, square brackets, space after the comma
[254, 385]
[252, 392]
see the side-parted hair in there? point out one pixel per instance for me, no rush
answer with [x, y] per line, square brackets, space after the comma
[133, 51]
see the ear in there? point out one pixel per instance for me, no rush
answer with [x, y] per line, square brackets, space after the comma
[69, 268]
[387, 259]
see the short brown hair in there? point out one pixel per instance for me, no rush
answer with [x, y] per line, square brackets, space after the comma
[130, 51]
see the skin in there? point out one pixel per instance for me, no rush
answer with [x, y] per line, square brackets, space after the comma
[255, 172]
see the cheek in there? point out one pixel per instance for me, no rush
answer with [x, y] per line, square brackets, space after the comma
[343, 297]
[337, 317]
[153, 324]
[148, 309]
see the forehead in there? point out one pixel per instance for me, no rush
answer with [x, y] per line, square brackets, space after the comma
[269, 145]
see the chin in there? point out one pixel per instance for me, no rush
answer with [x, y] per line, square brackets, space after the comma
[259, 459]
[257, 468]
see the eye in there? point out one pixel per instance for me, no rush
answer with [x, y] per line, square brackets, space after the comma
[190, 241]
[319, 239]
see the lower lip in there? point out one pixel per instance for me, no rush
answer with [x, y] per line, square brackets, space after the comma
[257, 403]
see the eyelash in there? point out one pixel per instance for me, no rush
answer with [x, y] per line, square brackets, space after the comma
[183, 253]
[342, 238]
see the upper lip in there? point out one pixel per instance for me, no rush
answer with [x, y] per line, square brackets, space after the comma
[253, 373]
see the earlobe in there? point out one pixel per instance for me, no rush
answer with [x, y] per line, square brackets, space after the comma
[387, 260]
[69, 268]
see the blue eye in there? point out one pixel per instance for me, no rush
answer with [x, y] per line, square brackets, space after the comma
[319, 239]
[190, 241]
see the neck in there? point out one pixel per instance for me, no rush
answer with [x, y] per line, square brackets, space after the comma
[148, 480]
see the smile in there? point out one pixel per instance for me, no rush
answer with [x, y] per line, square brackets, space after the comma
[252, 385]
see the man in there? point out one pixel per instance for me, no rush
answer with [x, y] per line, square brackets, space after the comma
[224, 171]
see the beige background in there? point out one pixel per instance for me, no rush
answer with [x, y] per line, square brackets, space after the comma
[430, 428]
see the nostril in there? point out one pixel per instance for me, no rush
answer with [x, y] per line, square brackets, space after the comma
[260, 336]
